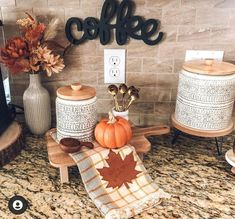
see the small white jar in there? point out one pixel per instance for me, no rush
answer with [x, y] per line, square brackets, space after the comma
[124, 114]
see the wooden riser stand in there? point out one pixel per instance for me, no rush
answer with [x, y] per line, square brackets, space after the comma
[63, 161]
[201, 133]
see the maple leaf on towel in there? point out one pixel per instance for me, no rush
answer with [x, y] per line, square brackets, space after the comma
[119, 171]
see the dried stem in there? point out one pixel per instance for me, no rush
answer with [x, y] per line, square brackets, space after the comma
[112, 119]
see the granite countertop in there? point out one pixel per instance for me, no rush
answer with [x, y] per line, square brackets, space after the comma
[201, 183]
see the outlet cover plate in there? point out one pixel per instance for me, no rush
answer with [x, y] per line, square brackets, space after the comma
[114, 66]
[203, 54]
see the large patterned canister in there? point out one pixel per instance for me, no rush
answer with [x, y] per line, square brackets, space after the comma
[76, 114]
[205, 96]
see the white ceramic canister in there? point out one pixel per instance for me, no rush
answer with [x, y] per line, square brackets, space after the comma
[205, 96]
[76, 113]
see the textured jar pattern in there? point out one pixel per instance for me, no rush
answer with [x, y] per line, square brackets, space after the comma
[37, 106]
[76, 119]
[205, 102]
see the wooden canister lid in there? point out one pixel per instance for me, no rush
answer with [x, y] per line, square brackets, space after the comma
[209, 67]
[76, 91]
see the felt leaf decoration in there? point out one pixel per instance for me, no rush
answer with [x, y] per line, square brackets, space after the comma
[120, 172]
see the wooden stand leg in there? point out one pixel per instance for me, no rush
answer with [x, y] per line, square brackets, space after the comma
[64, 174]
[141, 156]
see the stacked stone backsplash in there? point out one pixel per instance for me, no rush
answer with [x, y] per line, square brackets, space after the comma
[188, 24]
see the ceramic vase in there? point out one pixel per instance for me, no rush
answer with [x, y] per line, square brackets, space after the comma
[37, 107]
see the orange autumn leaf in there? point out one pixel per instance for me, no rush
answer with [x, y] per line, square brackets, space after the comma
[120, 172]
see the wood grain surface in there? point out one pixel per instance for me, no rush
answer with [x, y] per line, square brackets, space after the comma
[60, 159]
[201, 133]
[84, 93]
[217, 68]
[11, 143]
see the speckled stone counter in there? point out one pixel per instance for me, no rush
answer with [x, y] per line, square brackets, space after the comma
[200, 182]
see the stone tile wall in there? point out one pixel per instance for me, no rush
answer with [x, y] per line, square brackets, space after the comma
[188, 24]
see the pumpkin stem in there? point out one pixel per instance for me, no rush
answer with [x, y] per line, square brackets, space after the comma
[112, 119]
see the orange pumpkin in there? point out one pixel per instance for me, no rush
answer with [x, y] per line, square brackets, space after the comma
[114, 132]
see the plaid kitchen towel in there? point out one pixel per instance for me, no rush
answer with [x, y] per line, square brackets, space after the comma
[117, 181]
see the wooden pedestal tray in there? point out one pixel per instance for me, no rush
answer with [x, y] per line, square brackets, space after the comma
[11, 143]
[61, 160]
[200, 133]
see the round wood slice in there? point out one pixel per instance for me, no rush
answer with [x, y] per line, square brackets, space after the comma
[230, 157]
[233, 170]
[214, 68]
[11, 143]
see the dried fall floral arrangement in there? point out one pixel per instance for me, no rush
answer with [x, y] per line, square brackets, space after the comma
[31, 53]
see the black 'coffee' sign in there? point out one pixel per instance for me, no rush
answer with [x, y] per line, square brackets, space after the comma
[126, 25]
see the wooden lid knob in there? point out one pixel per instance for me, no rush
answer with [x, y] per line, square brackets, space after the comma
[76, 86]
[209, 62]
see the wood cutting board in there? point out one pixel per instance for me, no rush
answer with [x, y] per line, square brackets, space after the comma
[60, 159]
[11, 143]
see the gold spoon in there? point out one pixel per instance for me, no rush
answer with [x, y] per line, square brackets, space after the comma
[132, 90]
[133, 98]
[113, 90]
[123, 90]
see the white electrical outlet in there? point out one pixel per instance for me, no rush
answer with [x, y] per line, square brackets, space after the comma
[114, 61]
[203, 54]
[114, 66]
[114, 72]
